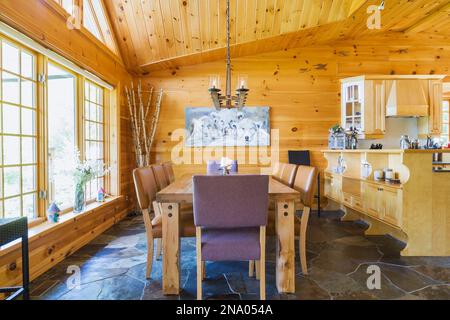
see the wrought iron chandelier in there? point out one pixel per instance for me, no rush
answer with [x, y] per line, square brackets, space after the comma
[228, 101]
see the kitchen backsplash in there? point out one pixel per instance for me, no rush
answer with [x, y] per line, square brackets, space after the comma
[395, 128]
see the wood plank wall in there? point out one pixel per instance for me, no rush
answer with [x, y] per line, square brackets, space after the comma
[300, 85]
[26, 17]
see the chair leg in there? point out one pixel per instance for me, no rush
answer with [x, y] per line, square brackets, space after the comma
[199, 263]
[251, 268]
[149, 257]
[203, 270]
[149, 234]
[258, 270]
[158, 249]
[302, 244]
[262, 263]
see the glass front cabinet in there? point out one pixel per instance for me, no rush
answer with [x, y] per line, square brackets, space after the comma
[363, 106]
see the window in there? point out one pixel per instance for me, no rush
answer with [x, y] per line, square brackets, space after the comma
[94, 132]
[38, 136]
[61, 115]
[18, 134]
[445, 121]
[95, 20]
[66, 4]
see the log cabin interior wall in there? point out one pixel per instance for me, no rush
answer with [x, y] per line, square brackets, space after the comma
[300, 85]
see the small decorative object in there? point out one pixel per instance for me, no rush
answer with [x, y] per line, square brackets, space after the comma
[336, 140]
[225, 165]
[351, 139]
[53, 213]
[101, 195]
[84, 172]
[405, 142]
[377, 146]
[378, 175]
[340, 169]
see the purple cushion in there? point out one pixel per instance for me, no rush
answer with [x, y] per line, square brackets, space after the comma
[241, 244]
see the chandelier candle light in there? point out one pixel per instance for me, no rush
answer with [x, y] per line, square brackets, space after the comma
[237, 101]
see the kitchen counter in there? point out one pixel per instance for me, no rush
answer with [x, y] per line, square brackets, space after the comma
[416, 211]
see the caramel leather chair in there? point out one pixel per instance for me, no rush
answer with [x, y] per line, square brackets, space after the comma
[305, 183]
[288, 174]
[160, 176]
[146, 188]
[168, 170]
[278, 171]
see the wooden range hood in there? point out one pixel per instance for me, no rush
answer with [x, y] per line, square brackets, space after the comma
[409, 96]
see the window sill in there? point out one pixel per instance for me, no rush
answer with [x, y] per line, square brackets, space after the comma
[37, 231]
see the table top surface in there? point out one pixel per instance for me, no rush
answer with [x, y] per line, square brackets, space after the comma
[181, 191]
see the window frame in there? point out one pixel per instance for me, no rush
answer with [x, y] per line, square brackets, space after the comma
[35, 108]
[40, 108]
[446, 135]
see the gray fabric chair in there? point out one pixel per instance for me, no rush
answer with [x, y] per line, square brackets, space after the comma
[230, 215]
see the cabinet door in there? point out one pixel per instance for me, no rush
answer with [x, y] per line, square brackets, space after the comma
[373, 200]
[352, 105]
[375, 107]
[392, 212]
[435, 119]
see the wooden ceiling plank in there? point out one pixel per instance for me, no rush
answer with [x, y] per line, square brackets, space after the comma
[270, 15]
[166, 19]
[325, 11]
[279, 8]
[315, 13]
[241, 9]
[214, 23]
[260, 18]
[425, 23]
[193, 9]
[250, 26]
[186, 26]
[177, 27]
[150, 30]
[204, 20]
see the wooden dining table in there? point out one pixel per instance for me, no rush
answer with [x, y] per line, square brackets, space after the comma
[180, 192]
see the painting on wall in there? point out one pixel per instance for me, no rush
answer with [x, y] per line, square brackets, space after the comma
[207, 127]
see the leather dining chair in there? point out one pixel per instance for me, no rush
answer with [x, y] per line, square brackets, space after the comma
[146, 189]
[305, 183]
[230, 226]
[288, 174]
[168, 170]
[160, 176]
[278, 171]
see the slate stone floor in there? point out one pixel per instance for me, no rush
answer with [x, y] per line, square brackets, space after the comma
[113, 267]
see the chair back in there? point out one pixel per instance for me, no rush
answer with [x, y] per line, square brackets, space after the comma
[224, 202]
[235, 167]
[160, 176]
[145, 185]
[305, 183]
[212, 167]
[288, 174]
[278, 171]
[168, 170]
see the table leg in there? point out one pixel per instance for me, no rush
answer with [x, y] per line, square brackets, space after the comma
[171, 248]
[285, 226]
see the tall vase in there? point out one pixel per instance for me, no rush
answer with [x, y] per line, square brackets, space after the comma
[80, 198]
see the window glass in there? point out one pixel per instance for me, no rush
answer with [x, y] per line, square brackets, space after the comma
[18, 137]
[61, 134]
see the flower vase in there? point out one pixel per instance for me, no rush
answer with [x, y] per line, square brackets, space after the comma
[80, 198]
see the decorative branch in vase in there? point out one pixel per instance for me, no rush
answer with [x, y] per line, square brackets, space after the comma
[84, 172]
[143, 129]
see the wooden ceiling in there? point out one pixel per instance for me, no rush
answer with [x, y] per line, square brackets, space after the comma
[157, 34]
[154, 30]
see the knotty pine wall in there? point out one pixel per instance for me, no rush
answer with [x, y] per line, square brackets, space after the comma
[300, 85]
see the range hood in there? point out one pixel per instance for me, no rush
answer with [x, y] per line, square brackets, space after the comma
[407, 98]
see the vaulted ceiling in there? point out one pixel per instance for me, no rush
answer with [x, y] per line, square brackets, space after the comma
[155, 34]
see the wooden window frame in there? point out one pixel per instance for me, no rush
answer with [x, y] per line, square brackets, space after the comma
[41, 62]
[36, 134]
[448, 121]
